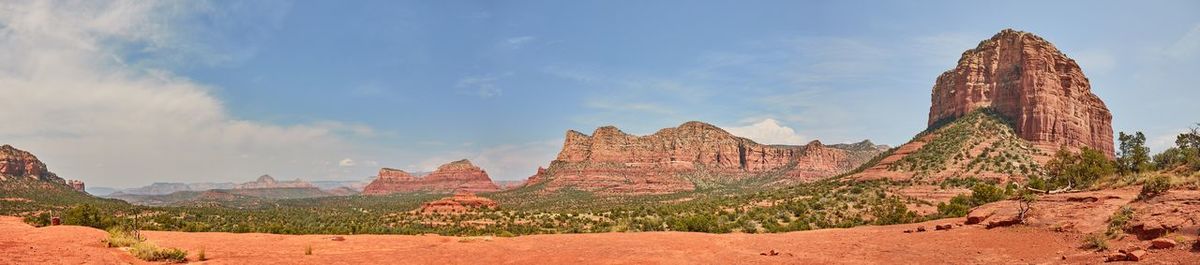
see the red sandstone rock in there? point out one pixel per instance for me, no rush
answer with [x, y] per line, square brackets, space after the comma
[461, 202]
[1029, 81]
[77, 185]
[452, 177]
[611, 161]
[1162, 243]
[16, 163]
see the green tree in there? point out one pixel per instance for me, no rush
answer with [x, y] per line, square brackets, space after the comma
[1135, 156]
[1078, 170]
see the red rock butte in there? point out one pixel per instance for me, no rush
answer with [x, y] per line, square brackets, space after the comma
[612, 161]
[1030, 82]
[451, 177]
[19, 163]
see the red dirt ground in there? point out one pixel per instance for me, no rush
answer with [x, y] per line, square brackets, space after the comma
[23, 244]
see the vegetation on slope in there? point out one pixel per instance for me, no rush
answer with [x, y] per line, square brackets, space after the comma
[954, 145]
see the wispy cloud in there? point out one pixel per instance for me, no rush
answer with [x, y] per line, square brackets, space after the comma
[483, 86]
[518, 42]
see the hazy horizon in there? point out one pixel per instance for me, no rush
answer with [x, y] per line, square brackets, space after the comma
[128, 93]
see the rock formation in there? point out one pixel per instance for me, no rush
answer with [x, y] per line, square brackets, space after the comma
[268, 182]
[611, 161]
[1030, 82]
[16, 163]
[452, 177]
[77, 185]
[461, 202]
[1015, 96]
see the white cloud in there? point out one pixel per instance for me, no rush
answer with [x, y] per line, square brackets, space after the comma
[768, 131]
[72, 100]
[518, 42]
[346, 162]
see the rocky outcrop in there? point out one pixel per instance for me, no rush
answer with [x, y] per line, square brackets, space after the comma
[611, 161]
[1030, 82]
[16, 163]
[461, 202]
[452, 177]
[268, 182]
[77, 185]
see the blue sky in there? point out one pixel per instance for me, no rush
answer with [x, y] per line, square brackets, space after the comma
[207, 91]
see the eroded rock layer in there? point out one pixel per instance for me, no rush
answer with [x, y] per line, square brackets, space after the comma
[452, 177]
[16, 163]
[1027, 80]
[673, 159]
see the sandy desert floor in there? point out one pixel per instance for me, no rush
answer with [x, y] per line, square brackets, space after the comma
[23, 244]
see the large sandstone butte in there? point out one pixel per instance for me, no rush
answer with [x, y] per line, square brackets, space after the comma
[1030, 82]
[1014, 97]
[16, 163]
[672, 159]
[452, 177]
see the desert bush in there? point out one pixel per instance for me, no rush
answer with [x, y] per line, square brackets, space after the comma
[1154, 186]
[120, 238]
[149, 252]
[86, 215]
[1095, 241]
[1117, 222]
[1077, 170]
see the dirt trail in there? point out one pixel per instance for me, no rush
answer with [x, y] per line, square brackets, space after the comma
[21, 243]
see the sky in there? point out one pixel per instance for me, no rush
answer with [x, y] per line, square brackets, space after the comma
[125, 93]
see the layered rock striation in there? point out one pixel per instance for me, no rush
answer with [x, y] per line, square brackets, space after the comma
[1027, 80]
[17, 163]
[674, 159]
[1011, 102]
[451, 177]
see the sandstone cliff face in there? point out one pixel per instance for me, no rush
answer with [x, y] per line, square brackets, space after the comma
[268, 182]
[611, 161]
[452, 177]
[1029, 81]
[16, 163]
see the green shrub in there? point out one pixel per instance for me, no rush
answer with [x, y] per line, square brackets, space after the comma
[1095, 241]
[1154, 186]
[86, 215]
[118, 238]
[1117, 222]
[149, 252]
[1077, 170]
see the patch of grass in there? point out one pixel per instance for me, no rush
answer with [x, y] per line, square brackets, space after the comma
[149, 252]
[1117, 222]
[118, 238]
[1154, 186]
[1096, 242]
[308, 250]
[200, 256]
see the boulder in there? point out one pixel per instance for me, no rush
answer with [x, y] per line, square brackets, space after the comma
[1163, 243]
